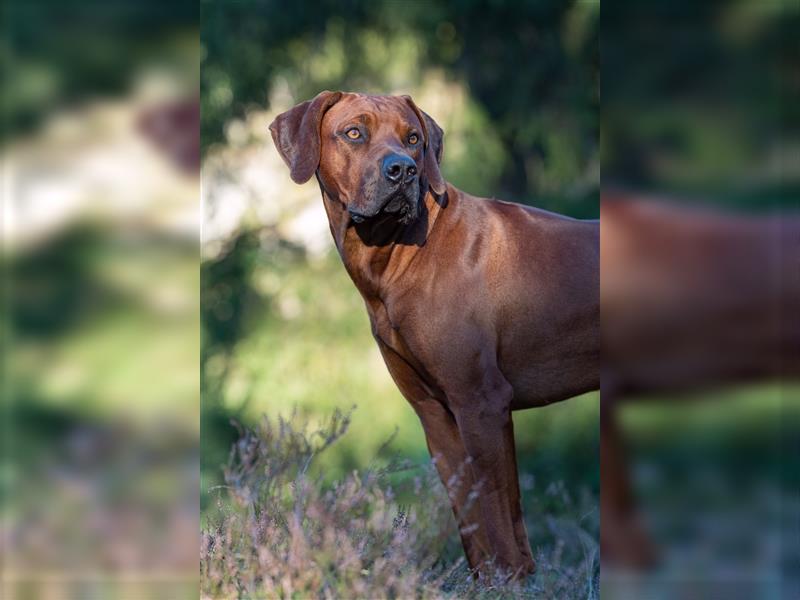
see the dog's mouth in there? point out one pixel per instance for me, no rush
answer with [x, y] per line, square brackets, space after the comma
[400, 205]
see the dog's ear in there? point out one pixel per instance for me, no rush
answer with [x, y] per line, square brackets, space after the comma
[434, 148]
[296, 134]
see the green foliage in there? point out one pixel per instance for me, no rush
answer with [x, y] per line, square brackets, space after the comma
[97, 457]
[698, 99]
[54, 288]
[54, 53]
[530, 68]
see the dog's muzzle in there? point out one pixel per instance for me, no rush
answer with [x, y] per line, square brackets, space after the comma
[402, 204]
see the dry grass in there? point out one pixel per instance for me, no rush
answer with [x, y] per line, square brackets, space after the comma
[282, 532]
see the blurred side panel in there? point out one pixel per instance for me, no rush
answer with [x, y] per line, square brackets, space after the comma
[100, 225]
[700, 293]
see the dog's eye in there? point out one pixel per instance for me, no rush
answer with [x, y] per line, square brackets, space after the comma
[353, 133]
[413, 139]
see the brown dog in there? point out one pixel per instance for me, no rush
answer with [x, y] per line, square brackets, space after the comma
[692, 300]
[479, 307]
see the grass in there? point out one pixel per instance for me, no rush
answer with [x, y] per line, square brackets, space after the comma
[282, 531]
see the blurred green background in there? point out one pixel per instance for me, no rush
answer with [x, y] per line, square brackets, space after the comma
[700, 101]
[515, 87]
[701, 108]
[99, 298]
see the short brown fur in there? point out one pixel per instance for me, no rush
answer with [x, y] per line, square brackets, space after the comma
[479, 307]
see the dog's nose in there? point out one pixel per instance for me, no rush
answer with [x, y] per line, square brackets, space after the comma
[397, 168]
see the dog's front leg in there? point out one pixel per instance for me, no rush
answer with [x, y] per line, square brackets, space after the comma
[452, 463]
[483, 415]
[450, 457]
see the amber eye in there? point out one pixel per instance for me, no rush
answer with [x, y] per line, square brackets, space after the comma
[413, 139]
[353, 133]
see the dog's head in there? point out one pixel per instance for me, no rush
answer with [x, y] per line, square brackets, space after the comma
[376, 154]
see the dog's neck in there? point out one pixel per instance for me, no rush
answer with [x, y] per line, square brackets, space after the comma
[380, 249]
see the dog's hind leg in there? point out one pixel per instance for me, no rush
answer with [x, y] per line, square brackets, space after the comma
[623, 541]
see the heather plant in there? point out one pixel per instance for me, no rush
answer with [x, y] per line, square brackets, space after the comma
[282, 531]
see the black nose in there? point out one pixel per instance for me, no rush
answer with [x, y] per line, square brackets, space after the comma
[397, 168]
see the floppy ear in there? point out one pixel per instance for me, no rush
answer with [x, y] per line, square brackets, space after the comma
[296, 134]
[434, 147]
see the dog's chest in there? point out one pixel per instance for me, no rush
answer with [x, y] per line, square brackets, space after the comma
[384, 326]
[394, 329]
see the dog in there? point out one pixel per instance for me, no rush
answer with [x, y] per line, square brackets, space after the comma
[479, 307]
[692, 300]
